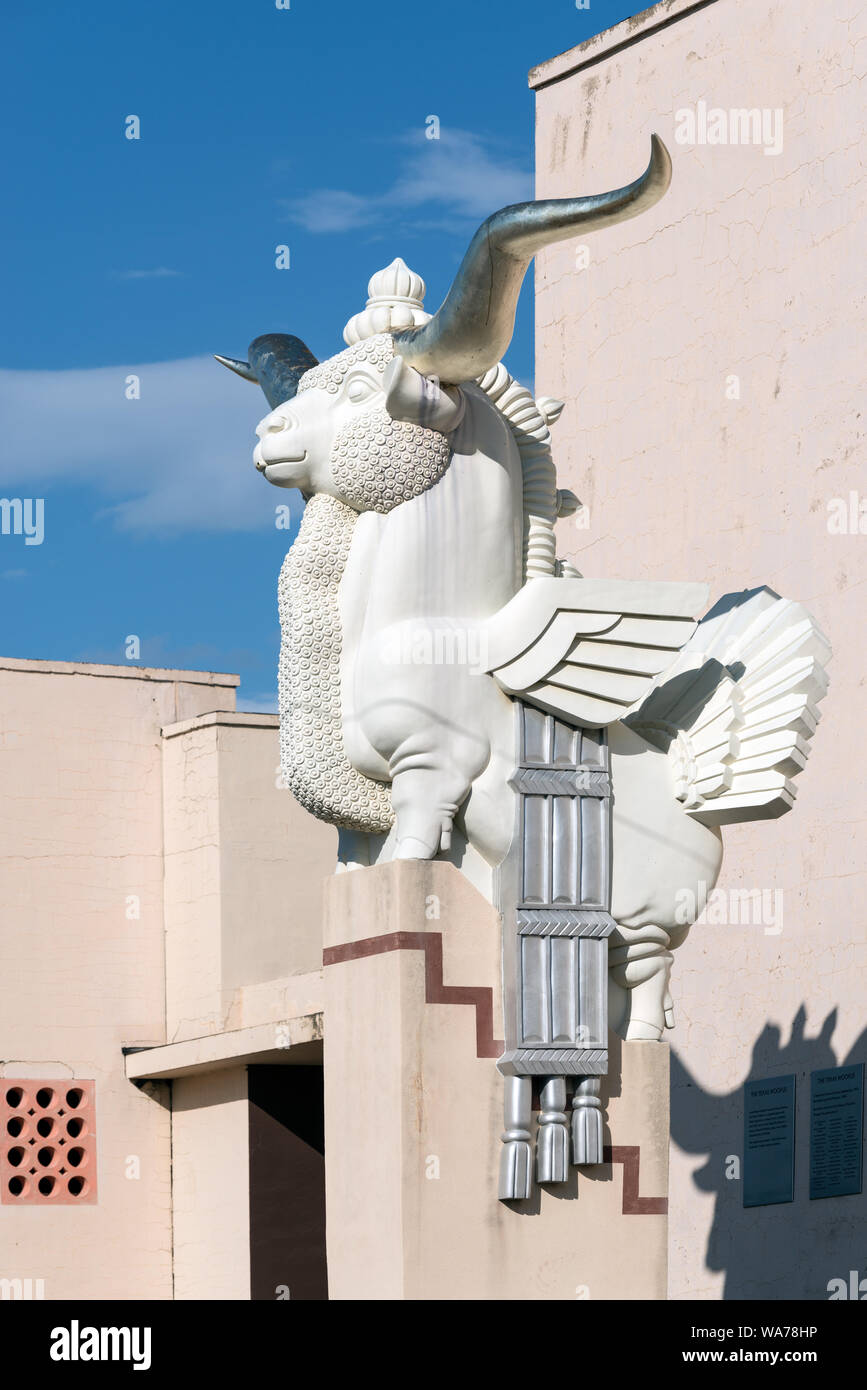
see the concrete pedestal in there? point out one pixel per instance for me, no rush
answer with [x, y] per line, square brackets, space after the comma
[413, 1116]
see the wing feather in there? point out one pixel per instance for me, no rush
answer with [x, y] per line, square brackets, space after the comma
[738, 707]
[589, 649]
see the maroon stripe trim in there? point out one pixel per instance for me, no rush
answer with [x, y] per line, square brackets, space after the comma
[633, 1205]
[436, 992]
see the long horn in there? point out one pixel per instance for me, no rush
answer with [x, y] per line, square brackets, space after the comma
[473, 327]
[277, 361]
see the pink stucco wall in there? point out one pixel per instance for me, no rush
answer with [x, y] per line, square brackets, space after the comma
[81, 888]
[157, 884]
[752, 268]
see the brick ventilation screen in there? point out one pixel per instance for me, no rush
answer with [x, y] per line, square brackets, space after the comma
[48, 1154]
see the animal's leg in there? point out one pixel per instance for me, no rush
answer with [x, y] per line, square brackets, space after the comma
[640, 962]
[431, 775]
[488, 815]
[425, 801]
[676, 937]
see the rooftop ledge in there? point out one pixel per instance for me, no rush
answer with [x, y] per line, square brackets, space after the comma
[611, 41]
[287, 1042]
[234, 718]
[127, 671]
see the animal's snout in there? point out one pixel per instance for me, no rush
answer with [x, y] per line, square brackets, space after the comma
[279, 420]
[281, 441]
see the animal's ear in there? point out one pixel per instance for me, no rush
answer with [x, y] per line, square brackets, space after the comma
[420, 399]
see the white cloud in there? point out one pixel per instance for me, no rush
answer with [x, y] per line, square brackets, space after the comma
[460, 174]
[179, 458]
[332, 210]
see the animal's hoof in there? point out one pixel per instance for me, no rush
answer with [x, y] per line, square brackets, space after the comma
[639, 1031]
[410, 848]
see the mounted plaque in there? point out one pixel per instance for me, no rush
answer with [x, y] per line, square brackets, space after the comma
[836, 1131]
[769, 1141]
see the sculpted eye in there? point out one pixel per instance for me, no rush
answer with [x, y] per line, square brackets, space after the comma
[360, 390]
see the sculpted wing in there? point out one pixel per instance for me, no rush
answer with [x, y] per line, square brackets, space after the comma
[589, 649]
[737, 709]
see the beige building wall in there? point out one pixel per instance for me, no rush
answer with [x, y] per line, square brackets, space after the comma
[414, 1117]
[711, 358]
[244, 868]
[81, 896]
[211, 1176]
[141, 822]
[709, 355]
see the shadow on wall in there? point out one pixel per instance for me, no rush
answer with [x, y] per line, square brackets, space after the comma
[790, 1250]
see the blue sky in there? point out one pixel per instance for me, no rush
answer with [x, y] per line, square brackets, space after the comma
[259, 127]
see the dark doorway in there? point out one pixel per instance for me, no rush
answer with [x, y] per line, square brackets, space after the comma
[287, 1183]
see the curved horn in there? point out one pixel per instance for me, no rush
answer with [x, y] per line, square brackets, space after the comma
[277, 361]
[473, 327]
[242, 368]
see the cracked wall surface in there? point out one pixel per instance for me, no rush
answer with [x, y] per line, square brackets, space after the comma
[752, 267]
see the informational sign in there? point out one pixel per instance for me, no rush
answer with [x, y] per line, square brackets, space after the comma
[836, 1130]
[769, 1141]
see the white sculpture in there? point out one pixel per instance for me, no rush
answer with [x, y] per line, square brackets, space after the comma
[423, 595]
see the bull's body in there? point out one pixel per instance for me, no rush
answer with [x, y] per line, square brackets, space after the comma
[430, 512]
[418, 711]
[427, 733]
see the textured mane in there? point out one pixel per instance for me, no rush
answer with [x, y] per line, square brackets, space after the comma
[528, 419]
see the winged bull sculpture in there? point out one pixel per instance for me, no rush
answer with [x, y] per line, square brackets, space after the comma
[424, 611]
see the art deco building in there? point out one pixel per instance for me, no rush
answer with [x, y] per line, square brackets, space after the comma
[164, 998]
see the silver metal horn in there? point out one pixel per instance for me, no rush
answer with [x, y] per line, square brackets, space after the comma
[473, 327]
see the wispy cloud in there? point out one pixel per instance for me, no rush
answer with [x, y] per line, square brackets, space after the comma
[161, 272]
[332, 210]
[447, 182]
[179, 458]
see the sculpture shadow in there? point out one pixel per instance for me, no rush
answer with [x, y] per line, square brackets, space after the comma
[789, 1250]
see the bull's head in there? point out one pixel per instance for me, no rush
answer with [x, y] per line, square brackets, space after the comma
[330, 420]
[362, 426]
